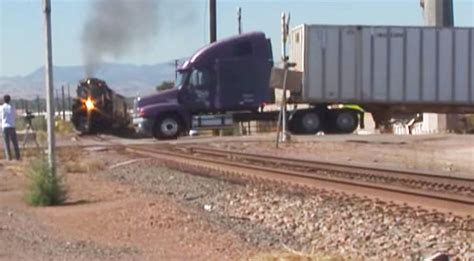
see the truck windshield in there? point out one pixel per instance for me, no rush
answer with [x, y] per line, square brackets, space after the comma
[182, 78]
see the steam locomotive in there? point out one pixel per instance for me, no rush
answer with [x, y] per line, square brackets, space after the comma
[98, 108]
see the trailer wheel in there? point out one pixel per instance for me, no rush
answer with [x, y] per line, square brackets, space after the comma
[167, 127]
[346, 121]
[308, 122]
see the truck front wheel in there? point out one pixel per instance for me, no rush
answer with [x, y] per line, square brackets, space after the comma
[167, 127]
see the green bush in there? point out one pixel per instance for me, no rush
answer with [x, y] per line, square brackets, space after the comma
[44, 189]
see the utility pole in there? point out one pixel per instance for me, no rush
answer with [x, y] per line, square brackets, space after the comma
[438, 13]
[63, 103]
[212, 33]
[49, 87]
[25, 105]
[175, 70]
[69, 106]
[212, 20]
[56, 100]
[239, 20]
[38, 108]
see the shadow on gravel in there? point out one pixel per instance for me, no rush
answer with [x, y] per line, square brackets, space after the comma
[76, 203]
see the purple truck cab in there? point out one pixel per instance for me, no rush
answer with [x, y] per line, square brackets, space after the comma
[231, 75]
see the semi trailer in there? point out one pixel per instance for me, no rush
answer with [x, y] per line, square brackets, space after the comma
[386, 70]
[383, 69]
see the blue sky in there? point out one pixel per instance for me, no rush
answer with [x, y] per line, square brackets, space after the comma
[184, 26]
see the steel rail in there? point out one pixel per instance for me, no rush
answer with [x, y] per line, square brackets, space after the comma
[405, 179]
[332, 166]
[183, 155]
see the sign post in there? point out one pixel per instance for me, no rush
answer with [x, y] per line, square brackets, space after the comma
[285, 20]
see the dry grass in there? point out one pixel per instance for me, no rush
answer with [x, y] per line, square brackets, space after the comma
[292, 255]
[84, 167]
[42, 138]
[63, 127]
[95, 165]
[38, 123]
[69, 154]
[74, 162]
[74, 167]
[15, 168]
[28, 153]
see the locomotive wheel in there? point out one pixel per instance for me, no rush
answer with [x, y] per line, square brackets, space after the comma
[167, 127]
[85, 126]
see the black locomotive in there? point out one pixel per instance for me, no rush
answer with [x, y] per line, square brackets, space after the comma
[98, 108]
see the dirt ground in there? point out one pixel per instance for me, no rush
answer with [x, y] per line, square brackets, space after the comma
[119, 207]
[103, 219]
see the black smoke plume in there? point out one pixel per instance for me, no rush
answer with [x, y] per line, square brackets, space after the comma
[117, 27]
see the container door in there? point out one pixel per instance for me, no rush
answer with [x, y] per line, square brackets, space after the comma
[296, 43]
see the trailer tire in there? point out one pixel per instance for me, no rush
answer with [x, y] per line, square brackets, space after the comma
[345, 121]
[167, 127]
[306, 122]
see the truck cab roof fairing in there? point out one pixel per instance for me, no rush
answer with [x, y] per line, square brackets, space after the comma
[222, 49]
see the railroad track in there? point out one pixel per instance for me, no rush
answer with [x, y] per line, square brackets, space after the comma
[443, 191]
[410, 179]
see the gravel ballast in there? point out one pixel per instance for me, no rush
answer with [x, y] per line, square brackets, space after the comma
[273, 217]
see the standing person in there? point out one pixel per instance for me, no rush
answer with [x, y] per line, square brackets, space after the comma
[8, 114]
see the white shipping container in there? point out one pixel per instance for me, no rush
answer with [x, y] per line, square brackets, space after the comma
[384, 64]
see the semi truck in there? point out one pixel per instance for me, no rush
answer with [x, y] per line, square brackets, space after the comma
[382, 69]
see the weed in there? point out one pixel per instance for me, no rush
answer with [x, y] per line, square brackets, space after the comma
[44, 189]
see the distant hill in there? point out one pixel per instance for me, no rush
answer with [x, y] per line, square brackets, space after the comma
[126, 79]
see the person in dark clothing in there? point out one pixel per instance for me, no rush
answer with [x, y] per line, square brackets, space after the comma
[8, 115]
